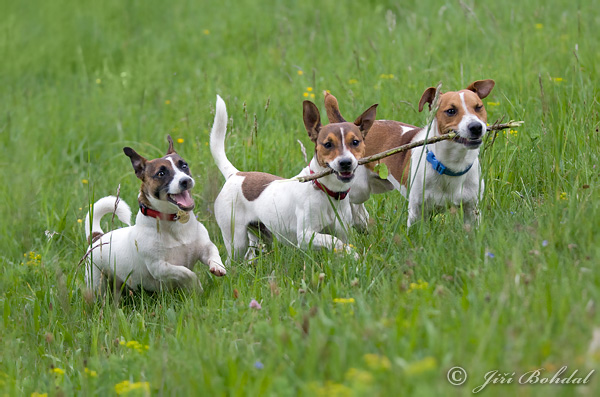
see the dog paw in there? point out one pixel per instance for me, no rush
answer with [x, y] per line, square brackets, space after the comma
[217, 269]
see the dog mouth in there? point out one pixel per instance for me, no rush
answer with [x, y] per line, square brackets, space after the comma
[344, 176]
[182, 200]
[468, 142]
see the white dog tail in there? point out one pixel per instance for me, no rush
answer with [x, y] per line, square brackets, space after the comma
[104, 206]
[217, 140]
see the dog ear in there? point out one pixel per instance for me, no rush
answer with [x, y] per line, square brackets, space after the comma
[138, 162]
[171, 150]
[312, 119]
[428, 97]
[332, 109]
[365, 121]
[482, 87]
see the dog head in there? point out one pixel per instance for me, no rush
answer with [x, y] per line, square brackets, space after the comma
[166, 181]
[461, 111]
[338, 145]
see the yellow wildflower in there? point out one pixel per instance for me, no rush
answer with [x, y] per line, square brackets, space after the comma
[330, 389]
[98, 81]
[91, 373]
[33, 259]
[312, 95]
[84, 181]
[135, 345]
[167, 102]
[180, 140]
[127, 386]
[79, 220]
[343, 300]
[352, 81]
[359, 376]
[558, 79]
[493, 103]
[300, 72]
[309, 89]
[386, 76]
[36, 394]
[58, 371]
[418, 367]
[305, 94]
[539, 26]
[206, 31]
[420, 284]
[377, 362]
[563, 196]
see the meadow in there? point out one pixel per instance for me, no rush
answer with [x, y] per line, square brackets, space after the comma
[81, 80]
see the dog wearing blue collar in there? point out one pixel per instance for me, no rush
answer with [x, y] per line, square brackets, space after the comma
[433, 176]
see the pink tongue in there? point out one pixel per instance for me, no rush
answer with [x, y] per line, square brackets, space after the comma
[183, 199]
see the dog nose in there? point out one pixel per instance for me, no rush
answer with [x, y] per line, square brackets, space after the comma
[185, 183]
[475, 128]
[345, 164]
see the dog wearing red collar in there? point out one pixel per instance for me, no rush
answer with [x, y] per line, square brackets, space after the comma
[296, 213]
[435, 175]
[161, 249]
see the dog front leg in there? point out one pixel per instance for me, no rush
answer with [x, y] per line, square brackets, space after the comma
[172, 275]
[471, 213]
[360, 217]
[209, 255]
[319, 240]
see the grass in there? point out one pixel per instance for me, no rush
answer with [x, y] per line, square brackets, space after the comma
[80, 80]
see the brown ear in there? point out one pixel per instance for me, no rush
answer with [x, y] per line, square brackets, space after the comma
[332, 108]
[138, 162]
[482, 87]
[365, 121]
[428, 97]
[171, 149]
[312, 119]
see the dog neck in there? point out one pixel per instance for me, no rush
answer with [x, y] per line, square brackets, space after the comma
[328, 184]
[454, 156]
[159, 209]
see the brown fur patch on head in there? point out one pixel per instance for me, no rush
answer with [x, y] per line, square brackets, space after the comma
[155, 174]
[255, 183]
[452, 110]
[333, 138]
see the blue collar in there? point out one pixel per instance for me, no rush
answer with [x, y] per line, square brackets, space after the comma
[441, 168]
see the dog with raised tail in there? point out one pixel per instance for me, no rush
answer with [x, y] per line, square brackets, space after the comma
[431, 176]
[301, 214]
[161, 249]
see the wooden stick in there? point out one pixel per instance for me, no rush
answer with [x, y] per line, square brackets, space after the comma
[403, 148]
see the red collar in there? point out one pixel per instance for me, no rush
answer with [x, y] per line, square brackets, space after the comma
[158, 215]
[331, 193]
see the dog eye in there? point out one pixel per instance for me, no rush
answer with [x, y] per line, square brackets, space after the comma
[451, 112]
[184, 166]
[327, 145]
[478, 108]
[160, 174]
[355, 142]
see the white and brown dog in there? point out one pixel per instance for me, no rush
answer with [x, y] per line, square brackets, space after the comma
[432, 176]
[160, 250]
[296, 213]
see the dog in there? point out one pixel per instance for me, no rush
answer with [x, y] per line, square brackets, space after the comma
[431, 176]
[297, 213]
[160, 250]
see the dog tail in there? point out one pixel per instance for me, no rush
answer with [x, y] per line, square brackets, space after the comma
[104, 206]
[217, 140]
[332, 108]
